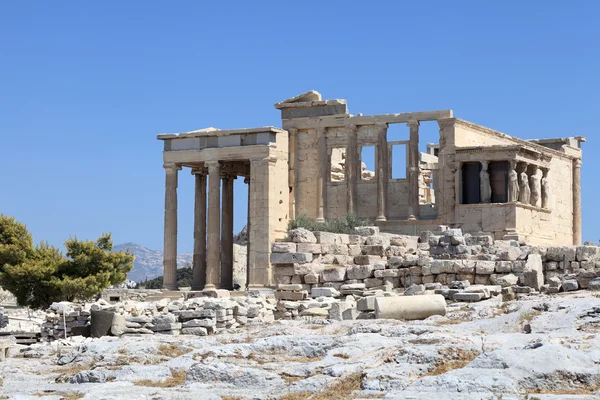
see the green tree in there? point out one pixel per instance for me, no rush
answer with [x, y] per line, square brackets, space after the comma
[40, 275]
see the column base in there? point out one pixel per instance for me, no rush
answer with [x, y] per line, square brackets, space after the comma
[380, 218]
[412, 218]
[320, 219]
[209, 286]
[170, 287]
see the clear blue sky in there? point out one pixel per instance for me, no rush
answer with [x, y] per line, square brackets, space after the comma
[85, 87]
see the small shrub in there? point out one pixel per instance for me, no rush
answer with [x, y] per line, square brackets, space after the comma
[177, 379]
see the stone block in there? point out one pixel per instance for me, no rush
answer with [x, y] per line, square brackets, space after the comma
[504, 280]
[373, 250]
[355, 240]
[354, 250]
[336, 312]
[205, 323]
[373, 282]
[510, 253]
[290, 287]
[479, 240]
[588, 265]
[551, 266]
[291, 258]
[366, 259]
[311, 278]
[340, 249]
[378, 240]
[293, 296]
[482, 279]
[386, 273]
[284, 270]
[367, 230]
[301, 235]
[282, 278]
[296, 280]
[466, 267]
[328, 238]
[533, 275]
[333, 274]
[594, 284]
[360, 271]
[556, 253]
[350, 314]
[519, 266]
[485, 267]
[570, 285]
[313, 248]
[283, 247]
[587, 253]
[324, 292]
[366, 304]
[468, 297]
[308, 268]
[504, 267]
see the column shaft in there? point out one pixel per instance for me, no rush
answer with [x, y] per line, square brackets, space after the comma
[170, 235]
[293, 173]
[249, 243]
[213, 251]
[350, 170]
[227, 234]
[322, 176]
[413, 171]
[382, 169]
[577, 202]
[199, 259]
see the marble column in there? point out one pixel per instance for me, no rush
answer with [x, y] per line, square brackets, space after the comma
[413, 171]
[227, 233]
[199, 259]
[213, 243]
[382, 168]
[545, 188]
[293, 174]
[485, 188]
[577, 202]
[248, 243]
[351, 169]
[524, 189]
[322, 175]
[170, 236]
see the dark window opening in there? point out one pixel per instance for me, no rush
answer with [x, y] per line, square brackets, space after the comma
[470, 183]
[499, 181]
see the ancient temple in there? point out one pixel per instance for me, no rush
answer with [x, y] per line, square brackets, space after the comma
[475, 178]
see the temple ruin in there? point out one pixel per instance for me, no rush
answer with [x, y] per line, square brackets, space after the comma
[476, 179]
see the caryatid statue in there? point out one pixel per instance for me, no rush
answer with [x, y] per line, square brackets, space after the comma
[513, 183]
[524, 191]
[545, 189]
[484, 183]
[536, 187]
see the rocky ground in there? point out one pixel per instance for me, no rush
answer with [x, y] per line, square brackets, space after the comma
[538, 347]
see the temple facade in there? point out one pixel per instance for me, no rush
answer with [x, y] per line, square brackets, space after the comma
[474, 178]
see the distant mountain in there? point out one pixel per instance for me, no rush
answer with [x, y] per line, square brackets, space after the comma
[148, 263]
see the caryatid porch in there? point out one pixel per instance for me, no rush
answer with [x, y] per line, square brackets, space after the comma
[260, 155]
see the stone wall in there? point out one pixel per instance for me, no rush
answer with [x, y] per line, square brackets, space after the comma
[373, 260]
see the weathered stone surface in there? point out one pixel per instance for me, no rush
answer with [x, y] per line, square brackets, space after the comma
[366, 304]
[285, 295]
[313, 248]
[533, 276]
[283, 247]
[366, 259]
[328, 238]
[119, 324]
[198, 331]
[324, 292]
[504, 280]
[556, 253]
[301, 235]
[484, 267]
[464, 296]
[290, 287]
[311, 278]
[333, 274]
[367, 230]
[587, 253]
[360, 271]
[594, 284]
[570, 285]
[291, 258]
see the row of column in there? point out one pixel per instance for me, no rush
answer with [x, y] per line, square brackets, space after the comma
[213, 237]
[353, 170]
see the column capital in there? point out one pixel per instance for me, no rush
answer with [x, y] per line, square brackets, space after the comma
[381, 125]
[213, 164]
[413, 123]
[199, 171]
[292, 131]
[577, 163]
[172, 167]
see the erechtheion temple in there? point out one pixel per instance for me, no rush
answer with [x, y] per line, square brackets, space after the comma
[475, 178]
